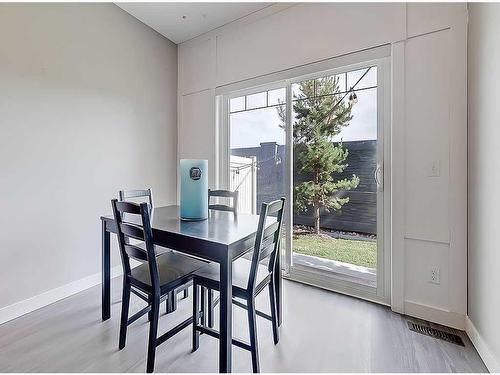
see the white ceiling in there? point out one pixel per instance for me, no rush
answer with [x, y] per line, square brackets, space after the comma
[182, 21]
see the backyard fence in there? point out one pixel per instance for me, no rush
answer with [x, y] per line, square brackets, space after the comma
[258, 173]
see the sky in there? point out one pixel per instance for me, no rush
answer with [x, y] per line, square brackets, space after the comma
[250, 128]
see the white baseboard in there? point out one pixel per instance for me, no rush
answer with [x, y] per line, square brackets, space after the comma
[435, 315]
[487, 355]
[34, 303]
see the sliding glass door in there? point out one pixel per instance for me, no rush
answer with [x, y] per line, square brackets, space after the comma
[318, 140]
[257, 152]
[338, 157]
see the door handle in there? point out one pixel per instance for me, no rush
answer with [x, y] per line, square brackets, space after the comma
[379, 177]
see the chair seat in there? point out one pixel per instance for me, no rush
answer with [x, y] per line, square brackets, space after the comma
[209, 276]
[174, 270]
[158, 249]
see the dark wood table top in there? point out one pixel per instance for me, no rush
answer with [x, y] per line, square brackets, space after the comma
[222, 230]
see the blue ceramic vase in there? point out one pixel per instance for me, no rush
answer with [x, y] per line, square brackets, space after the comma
[194, 189]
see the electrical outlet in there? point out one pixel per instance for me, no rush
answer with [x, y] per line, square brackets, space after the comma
[434, 276]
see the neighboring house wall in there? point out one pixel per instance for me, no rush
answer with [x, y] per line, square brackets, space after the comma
[87, 107]
[484, 179]
[358, 215]
[428, 115]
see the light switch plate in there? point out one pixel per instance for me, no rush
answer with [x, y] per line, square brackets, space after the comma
[434, 168]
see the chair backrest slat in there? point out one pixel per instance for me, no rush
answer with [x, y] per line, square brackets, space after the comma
[133, 231]
[223, 194]
[265, 251]
[128, 207]
[125, 195]
[267, 240]
[220, 207]
[140, 230]
[274, 207]
[136, 252]
[270, 230]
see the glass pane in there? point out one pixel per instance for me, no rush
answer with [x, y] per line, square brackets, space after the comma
[342, 82]
[256, 100]
[334, 224]
[276, 96]
[304, 89]
[237, 104]
[363, 124]
[257, 159]
[369, 80]
[251, 128]
[330, 85]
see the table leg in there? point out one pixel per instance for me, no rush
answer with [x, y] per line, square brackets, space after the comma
[106, 272]
[171, 302]
[278, 284]
[225, 323]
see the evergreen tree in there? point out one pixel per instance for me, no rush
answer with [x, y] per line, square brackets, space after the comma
[317, 157]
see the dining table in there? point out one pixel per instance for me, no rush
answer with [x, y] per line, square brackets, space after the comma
[222, 238]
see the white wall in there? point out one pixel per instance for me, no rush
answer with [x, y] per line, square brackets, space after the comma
[436, 133]
[87, 107]
[429, 120]
[196, 143]
[484, 179]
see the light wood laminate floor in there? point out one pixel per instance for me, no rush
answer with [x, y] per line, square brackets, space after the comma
[322, 332]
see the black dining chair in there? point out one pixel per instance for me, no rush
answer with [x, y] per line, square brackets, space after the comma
[249, 279]
[233, 195]
[231, 207]
[147, 195]
[133, 195]
[151, 281]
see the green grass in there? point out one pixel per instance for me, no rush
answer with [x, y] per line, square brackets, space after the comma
[360, 253]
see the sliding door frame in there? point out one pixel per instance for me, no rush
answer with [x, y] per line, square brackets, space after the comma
[379, 57]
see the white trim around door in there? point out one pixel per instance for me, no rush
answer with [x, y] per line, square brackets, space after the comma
[379, 57]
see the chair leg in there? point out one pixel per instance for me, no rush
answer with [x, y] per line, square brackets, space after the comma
[210, 310]
[203, 306]
[174, 301]
[196, 318]
[150, 313]
[252, 325]
[124, 317]
[153, 331]
[171, 304]
[274, 313]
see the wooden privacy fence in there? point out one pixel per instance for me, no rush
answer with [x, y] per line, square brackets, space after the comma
[267, 182]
